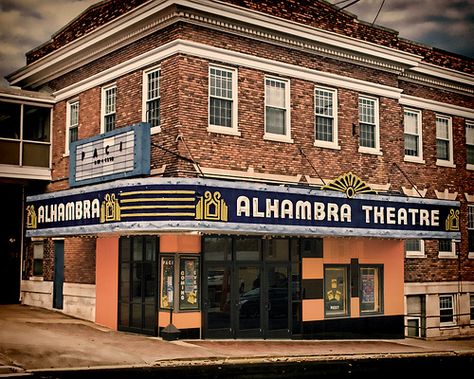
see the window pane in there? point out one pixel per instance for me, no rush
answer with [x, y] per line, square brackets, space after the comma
[411, 145]
[217, 248]
[335, 289]
[366, 110]
[445, 245]
[275, 121]
[324, 128]
[220, 112]
[35, 154]
[367, 135]
[442, 149]
[442, 128]
[470, 154]
[10, 152]
[446, 309]
[36, 123]
[109, 122]
[153, 90]
[10, 120]
[324, 102]
[413, 245]
[247, 249]
[153, 112]
[220, 84]
[275, 93]
[411, 122]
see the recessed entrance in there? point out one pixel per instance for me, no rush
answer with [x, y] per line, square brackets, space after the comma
[250, 287]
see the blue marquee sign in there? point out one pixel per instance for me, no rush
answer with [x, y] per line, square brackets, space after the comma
[155, 205]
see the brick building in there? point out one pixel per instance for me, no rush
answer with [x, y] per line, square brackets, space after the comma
[259, 169]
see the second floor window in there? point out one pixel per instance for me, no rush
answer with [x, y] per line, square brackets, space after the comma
[470, 143]
[277, 109]
[222, 100]
[109, 98]
[152, 98]
[368, 125]
[72, 123]
[325, 111]
[444, 138]
[412, 135]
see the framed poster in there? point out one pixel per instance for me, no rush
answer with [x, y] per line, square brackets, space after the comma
[189, 283]
[167, 283]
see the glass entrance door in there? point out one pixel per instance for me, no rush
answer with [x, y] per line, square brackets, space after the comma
[138, 285]
[248, 302]
[276, 304]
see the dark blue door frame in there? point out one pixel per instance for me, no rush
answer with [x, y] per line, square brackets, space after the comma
[58, 274]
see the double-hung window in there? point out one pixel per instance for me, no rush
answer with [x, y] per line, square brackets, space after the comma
[470, 230]
[446, 309]
[369, 125]
[151, 99]
[277, 111]
[223, 100]
[444, 141]
[109, 100]
[72, 128]
[325, 118]
[413, 136]
[470, 145]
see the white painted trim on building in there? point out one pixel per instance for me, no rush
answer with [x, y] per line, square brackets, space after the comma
[225, 56]
[446, 195]
[436, 106]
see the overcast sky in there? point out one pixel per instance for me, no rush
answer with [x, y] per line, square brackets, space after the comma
[446, 24]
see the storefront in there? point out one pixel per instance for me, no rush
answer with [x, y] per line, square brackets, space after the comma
[241, 260]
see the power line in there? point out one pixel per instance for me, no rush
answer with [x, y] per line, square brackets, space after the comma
[377, 15]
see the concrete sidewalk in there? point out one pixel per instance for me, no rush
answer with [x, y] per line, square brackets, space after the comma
[34, 340]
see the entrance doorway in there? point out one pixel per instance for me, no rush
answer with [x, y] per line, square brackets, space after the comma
[138, 283]
[248, 287]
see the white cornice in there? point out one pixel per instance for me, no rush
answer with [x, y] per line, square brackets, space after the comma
[227, 57]
[155, 15]
[444, 73]
[436, 106]
[437, 82]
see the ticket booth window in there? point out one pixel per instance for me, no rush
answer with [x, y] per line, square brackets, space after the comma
[336, 292]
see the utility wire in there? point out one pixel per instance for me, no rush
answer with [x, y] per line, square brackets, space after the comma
[311, 164]
[377, 15]
[348, 5]
[407, 178]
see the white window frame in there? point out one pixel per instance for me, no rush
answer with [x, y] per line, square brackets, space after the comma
[469, 124]
[417, 253]
[334, 144]
[233, 130]
[448, 254]
[364, 149]
[453, 299]
[69, 125]
[145, 99]
[419, 157]
[446, 162]
[273, 136]
[103, 103]
[470, 225]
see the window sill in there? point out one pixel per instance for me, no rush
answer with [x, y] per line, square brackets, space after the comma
[223, 130]
[277, 138]
[36, 278]
[368, 150]
[411, 159]
[442, 163]
[470, 255]
[415, 255]
[155, 130]
[447, 255]
[470, 167]
[327, 145]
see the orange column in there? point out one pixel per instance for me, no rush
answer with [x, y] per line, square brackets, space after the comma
[106, 282]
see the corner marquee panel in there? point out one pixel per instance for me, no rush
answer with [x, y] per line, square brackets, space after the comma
[158, 205]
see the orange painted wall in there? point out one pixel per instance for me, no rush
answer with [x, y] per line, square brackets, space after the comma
[107, 260]
[183, 320]
[180, 243]
[389, 253]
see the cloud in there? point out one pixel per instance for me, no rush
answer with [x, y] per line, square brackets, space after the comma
[26, 24]
[445, 24]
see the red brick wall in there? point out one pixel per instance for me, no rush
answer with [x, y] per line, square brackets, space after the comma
[79, 260]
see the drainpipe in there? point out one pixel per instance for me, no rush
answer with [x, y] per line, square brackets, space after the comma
[22, 236]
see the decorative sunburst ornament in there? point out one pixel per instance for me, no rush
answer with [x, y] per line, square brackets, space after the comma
[349, 184]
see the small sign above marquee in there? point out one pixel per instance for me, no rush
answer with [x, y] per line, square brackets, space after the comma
[120, 153]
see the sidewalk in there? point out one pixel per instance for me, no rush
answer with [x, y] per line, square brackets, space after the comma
[34, 339]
